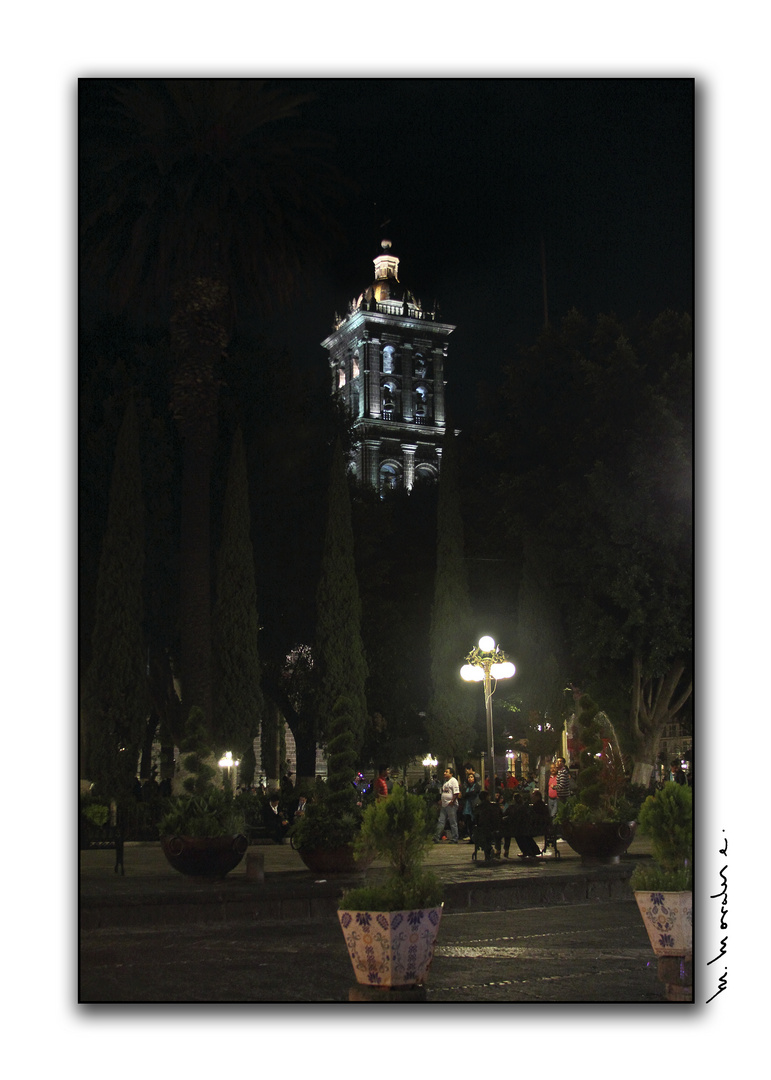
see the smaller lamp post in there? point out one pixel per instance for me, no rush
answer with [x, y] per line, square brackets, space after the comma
[227, 762]
[484, 663]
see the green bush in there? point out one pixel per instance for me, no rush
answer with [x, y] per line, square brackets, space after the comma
[655, 879]
[421, 891]
[399, 829]
[323, 825]
[96, 813]
[206, 810]
[667, 817]
[211, 814]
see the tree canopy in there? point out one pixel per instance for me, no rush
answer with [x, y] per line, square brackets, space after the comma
[595, 466]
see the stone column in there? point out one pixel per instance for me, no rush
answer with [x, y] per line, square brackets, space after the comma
[409, 450]
[371, 463]
[439, 355]
[372, 354]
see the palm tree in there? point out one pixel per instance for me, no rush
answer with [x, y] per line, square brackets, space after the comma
[199, 197]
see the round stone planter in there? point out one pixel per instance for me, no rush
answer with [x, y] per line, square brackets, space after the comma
[204, 856]
[599, 844]
[668, 918]
[391, 949]
[336, 860]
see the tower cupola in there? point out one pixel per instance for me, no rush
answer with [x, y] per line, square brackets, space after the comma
[387, 358]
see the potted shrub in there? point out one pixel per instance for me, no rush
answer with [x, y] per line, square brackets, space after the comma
[390, 928]
[202, 831]
[599, 820]
[325, 835]
[664, 891]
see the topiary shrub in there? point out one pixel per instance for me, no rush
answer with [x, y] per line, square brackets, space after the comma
[204, 810]
[603, 791]
[400, 830]
[667, 818]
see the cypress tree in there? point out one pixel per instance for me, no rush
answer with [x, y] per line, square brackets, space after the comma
[339, 647]
[115, 694]
[450, 722]
[237, 695]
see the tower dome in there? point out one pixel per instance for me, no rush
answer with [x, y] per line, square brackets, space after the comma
[386, 287]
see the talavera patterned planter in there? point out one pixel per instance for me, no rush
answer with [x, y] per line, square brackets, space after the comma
[668, 918]
[391, 949]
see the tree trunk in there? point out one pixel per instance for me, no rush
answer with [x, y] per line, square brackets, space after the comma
[199, 337]
[655, 703]
[195, 578]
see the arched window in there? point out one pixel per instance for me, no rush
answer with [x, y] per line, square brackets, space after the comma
[390, 478]
[340, 378]
[425, 474]
[355, 366]
[389, 399]
[388, 360]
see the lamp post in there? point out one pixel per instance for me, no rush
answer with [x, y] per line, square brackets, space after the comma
[429, 764]
[484, 663]
[227, 762]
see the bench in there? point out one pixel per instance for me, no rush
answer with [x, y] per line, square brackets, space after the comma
[105, 838]
[259, 834]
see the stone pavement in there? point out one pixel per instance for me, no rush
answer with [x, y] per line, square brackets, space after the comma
[152, 893]
[553, 931]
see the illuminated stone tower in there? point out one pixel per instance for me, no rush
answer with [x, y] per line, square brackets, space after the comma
[387, 363]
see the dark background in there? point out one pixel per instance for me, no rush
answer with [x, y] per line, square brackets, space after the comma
[470, 177]
[480, 184]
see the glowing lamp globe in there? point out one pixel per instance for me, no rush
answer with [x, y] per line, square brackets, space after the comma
[471, 673]
[486, 644]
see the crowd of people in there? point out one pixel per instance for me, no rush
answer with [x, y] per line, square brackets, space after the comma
[515, 810]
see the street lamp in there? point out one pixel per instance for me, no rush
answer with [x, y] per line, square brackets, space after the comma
[429, 764]
[227, 762]
[484, 663]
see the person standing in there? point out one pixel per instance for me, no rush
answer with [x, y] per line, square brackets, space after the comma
[470, 800]
[563, 780]
[552, 792]
[448, 809]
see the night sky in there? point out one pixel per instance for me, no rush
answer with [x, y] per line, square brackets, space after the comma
[474, 176]
[480, 184]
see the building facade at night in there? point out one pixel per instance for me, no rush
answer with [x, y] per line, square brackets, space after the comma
[387, 359]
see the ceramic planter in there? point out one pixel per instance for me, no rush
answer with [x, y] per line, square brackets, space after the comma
[668, 918]
[204, 856]
[391, 949]
[601, 843]
[334, 860]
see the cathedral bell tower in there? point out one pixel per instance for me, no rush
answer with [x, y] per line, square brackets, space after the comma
[387, 362]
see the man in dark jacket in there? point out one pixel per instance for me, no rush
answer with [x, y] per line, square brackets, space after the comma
[521, 824]
[487, 825]
[275, 819]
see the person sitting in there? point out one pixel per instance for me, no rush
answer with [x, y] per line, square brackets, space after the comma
[299, 807]
[521, 825]
[274, 819]
[540, 812]
[487, 826]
